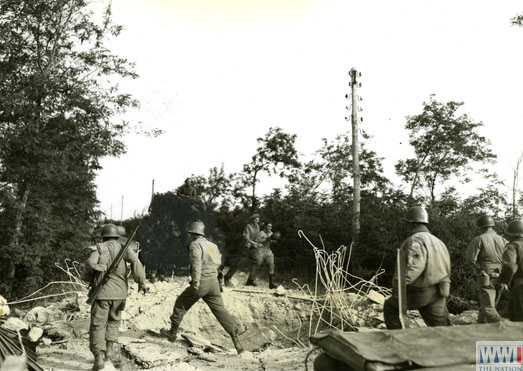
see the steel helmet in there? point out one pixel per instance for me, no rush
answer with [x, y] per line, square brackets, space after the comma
[197, 228]
[121, 230]
[416, 214]
[485, 221]
[515, 228]
[110, 230]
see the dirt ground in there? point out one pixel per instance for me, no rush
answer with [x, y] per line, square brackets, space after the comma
[275, 322]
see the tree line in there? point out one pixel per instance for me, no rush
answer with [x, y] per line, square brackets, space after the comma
[59, 108]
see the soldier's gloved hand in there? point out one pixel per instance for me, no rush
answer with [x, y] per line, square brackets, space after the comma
[143, 289]
[195, 284]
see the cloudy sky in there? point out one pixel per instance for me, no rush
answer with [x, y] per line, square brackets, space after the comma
[215, 75]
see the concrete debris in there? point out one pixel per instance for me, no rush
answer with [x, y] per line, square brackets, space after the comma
[41, 315]
[376, 297]
[35, 334]
[15, 324]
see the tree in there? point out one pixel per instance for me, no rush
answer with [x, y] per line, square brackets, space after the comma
[276, 154]
[57, 109]
[445, 145]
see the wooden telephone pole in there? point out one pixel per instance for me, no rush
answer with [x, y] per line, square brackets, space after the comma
[355, 155]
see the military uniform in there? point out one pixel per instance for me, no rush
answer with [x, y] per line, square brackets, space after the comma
[107, 308]
[205, 259]
[486, 252]
[263, 254]
[245, 253]
[427, 278]
[512, 270]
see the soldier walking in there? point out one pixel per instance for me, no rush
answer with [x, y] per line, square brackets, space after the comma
[512, 270]
[205, 259]
[485, 252]
[107, 308]
[427, 276]
[250, 243]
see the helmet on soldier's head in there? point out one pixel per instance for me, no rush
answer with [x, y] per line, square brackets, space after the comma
[515, 228]
[121, 230]
[416, 214]
[485, 221]
[110, 230]
[197, 228]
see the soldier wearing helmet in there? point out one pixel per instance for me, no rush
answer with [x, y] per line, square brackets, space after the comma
[106, 310]
[485, 252]
[512, 270]
[427, 276]
[205, 261]
[249, 245]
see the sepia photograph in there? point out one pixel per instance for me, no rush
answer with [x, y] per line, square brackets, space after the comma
[261, 185]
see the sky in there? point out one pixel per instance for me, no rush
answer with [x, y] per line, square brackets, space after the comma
[216, 75]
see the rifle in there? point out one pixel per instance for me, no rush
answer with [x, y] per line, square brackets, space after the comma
[96, 289]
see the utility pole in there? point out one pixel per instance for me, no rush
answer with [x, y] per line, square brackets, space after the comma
[355, 154]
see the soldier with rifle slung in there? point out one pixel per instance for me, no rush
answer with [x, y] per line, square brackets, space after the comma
[109, 290]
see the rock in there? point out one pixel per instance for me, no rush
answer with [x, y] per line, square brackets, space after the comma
[465, 318]
[57, 333]
[41, 315]
[46, 341]
[15, 324]
[280, 291]
[376, 297]
[35, 334]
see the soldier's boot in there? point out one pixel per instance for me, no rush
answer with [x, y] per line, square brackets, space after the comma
[236, 341]
[272, 285]
[99, 361]
[251, 281]
[171, 333]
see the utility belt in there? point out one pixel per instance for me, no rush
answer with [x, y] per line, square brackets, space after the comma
[485, 278]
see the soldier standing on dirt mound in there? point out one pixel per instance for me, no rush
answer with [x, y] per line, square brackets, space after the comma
[264, 253]
[250, 243]
[205, 260]
[427, 274]
[106, 310]
[486, 251]
[512, 270]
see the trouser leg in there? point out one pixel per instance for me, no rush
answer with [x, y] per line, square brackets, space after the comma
[436, 313]
[183, 303]
[269, 258]
[113, 320]
[214, 300]
[255, 262]
[487, 304]
[432, 307]
[239, 258]
[97, 329]
[515, 304]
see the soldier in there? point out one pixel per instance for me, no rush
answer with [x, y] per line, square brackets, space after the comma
[427, 274]
[250, 242]
[512, 270]
[106, 310]
[486, 251]
[264, 254]
[205, 259]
